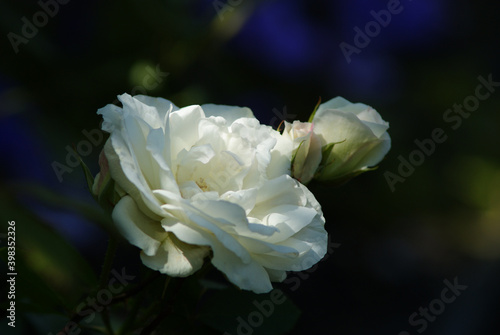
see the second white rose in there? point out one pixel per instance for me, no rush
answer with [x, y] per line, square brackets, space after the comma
[353, 139]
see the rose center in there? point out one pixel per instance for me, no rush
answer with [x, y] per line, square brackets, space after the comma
[202, 184]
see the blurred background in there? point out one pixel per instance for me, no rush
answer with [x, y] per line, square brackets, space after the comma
[398, 244]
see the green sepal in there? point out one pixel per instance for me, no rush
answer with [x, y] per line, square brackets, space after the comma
[326, 152]
[344, 179]
[296, 151]
[314, 111]
[107, 196]
[86, 171]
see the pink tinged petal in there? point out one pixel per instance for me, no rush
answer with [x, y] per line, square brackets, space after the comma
[103, 174]
[307, 150]
[313, 160]
[176, 258]
[136, 227]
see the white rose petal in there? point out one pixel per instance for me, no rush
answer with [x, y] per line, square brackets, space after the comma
[210, 180]
[306, 149]
[359, 136]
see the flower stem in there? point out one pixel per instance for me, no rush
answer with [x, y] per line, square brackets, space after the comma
[103, 280]
[107, 323]
[166, 309]
[132, 315]
[167, 281]
[108, 261]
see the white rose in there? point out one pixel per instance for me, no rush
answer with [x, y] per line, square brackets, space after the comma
[354, 138]
[210, 181]
[306, 155]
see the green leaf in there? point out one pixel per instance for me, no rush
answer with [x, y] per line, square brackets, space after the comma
[47, 196]
[44, 256]
[235, 312]
[32, 292]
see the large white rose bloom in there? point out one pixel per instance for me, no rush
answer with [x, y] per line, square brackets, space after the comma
[210, 180]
